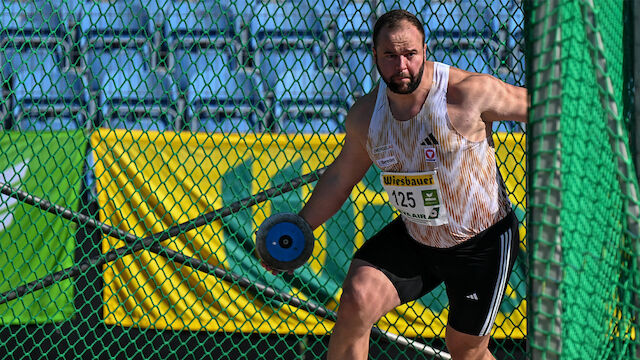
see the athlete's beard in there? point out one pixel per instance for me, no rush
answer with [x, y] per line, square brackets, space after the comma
[399, 88]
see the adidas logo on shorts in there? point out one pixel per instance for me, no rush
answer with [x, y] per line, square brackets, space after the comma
[473, 296]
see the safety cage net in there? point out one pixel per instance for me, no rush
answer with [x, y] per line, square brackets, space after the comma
[143, 144]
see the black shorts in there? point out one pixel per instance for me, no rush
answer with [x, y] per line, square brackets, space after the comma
[475, 272]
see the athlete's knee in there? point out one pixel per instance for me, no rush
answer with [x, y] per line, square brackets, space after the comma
[467, 347]
[363, 302]
[367, 295]
[356, 305]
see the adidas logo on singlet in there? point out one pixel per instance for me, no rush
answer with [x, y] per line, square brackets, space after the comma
[429, 140]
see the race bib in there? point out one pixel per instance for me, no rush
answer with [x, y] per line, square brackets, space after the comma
[417, 196]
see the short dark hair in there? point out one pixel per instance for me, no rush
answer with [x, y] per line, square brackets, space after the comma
[392, 19]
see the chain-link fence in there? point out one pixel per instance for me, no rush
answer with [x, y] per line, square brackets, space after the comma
[583, 193]
[124, 121]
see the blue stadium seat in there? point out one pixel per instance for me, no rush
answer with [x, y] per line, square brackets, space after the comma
[311, 102]
[289, 22]
[104, 22]
[354, 44]
[508, 126]
[202, 21]
[46, 98]
[138, 99]
[354, 24]
[220, 99]
[466, 56]
[510, 20]
[34, 21]
[186, 63]
[275, 61]
[459, 20]
[103, 61]
[243, 8]
[417, 7]
[515, 42]
[358, 65]
[15, 56]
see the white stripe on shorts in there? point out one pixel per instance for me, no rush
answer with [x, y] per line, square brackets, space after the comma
[498, 291]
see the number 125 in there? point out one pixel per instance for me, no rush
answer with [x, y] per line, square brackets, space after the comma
[404, 199]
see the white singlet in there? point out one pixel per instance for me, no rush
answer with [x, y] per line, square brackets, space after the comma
[472, 194]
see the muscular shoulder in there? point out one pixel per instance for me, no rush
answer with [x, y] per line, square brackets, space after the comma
[359, 115]
[487, 95]
[467, 87]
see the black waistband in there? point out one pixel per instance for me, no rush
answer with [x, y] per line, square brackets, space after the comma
[499, 227]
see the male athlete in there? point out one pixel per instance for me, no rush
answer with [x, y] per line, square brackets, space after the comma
[427, 126]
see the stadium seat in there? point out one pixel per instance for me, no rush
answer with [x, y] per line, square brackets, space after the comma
[414, 6]
[285, 22]
[459, 20]
[46, 98]
[103, 61]
[204, 22]
[14, 56]
[34, 21]
[311, 102]
[515, 42]
[275, 61]
[186, 63]
[220, 99]
[354, 24]
[138, 99]
[105, 22]
[354, 44]
[510, 19]
[508, 126]
[358, 65]
[464, 55]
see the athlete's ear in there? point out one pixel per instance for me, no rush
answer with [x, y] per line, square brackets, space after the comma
[375, 56]
[425, 50]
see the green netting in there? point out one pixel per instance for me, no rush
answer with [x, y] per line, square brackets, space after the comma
[129, 119]
[583, 189]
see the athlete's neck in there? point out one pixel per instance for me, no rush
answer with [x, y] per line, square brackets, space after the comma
[406, 106]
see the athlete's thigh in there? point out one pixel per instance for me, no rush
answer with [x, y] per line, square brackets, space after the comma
[402, 260]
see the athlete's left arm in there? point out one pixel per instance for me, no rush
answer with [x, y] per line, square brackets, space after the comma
[498, 101]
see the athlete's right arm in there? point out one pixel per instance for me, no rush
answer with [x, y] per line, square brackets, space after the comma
[335, 185]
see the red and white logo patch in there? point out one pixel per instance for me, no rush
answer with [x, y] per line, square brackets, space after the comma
[430, 154]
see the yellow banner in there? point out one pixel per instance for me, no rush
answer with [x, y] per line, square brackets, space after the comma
[150, 181]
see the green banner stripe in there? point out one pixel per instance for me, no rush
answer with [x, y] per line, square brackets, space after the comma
[35, 243]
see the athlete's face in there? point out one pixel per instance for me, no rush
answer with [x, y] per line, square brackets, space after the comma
[400, 57]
